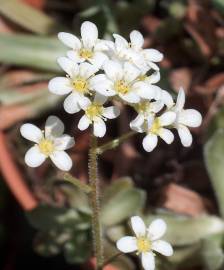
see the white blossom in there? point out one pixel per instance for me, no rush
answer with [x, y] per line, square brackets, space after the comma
[146, 241]
[50, 143]
[77, 83]
[184, 119]
[96, 114]
[157, 127]
[122, 80]
[88, 48]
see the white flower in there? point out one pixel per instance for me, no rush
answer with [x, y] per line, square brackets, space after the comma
[185, 118]
[122, 80]
[96, 114]
[146, 241]
[155, 127]
[48, 143]
[78, 82]
[88, 48]
[145, 110]
[134, 52]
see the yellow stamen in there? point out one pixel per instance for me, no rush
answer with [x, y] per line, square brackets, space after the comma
[85, 53]
[46, 147]
[143, 244]
[94, 110]
[80, 84]
[142, 107]
[156, 126]
[142, 77]
[121, 87]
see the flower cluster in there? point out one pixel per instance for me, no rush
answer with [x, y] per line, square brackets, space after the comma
[146, 241]
[104, 71]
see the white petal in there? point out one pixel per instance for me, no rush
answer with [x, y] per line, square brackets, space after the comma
[154, 78]
[61, 160]
[167, 118]
[120, 42]
[99, 127]
[137, 40]
[190, 118]
[138, 226]
[157, 229]
[69, 40]
[185, 136]
[34, 157]
[64, 142]
[166, 135]
[54, 126]
[180, 100]
[102, 85]
[131, 97]
[86, 70]
[156, 106]
[68, 66]
[60, 86]
[130, 72]
[153, 55]
[153, 66]
[71, 104]
[167, 98]
[144, 90]
[74, 56]
[89, 34]
[162, 247]
[100, 99]
[127, 244]
[150, 142]
[111, 112]
[31, 132]
[137, 122]
[113, 70]
[148, 261]
[98, 59]
[84, 102]
[84, 122]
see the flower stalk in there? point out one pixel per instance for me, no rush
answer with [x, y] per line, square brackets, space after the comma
[95, 204]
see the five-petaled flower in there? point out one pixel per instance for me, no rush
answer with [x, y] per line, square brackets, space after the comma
[50, 143]
[184, 119]
[96, 114]
[146, 241]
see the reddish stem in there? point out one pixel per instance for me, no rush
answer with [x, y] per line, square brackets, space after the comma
[13, 177]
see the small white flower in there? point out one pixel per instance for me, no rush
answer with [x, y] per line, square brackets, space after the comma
[96, 114]
[122, 80]
[48, 143]
[185, 118]
[78, 82]
[156, 127]
[145, 110]
[146, 241]
[88, 48]
[133, 51]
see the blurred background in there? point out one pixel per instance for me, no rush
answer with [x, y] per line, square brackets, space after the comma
[45, 222]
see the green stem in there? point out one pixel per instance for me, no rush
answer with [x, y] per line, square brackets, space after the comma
[95, 204]
[114, 143]
[76, 182]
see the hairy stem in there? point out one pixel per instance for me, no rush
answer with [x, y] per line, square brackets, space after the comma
[114, 143]
[95, 204]
[76, 182]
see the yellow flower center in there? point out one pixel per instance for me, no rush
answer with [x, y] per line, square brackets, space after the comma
[121, 87]
[85, 53]
[81, 85]
[142, 107]
[156, 126]
[94, 110]
[143, 244]
[46, 147]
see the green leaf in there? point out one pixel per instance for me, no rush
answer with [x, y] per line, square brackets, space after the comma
[219, 5]
[212, 253]
[183, 230]
[122, 202]
[214, 159]
[27, 17]
[31, 51]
